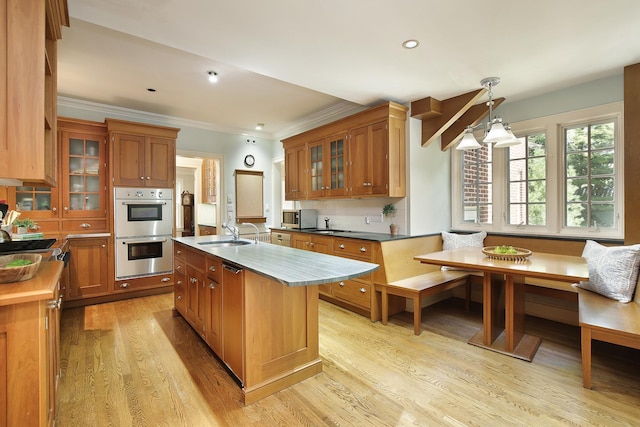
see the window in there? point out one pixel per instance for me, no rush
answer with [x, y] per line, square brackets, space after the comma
[590, 180]
[527, 196]
[564, 179]
[478, 189]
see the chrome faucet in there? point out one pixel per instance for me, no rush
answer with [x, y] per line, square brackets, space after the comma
[233, 229]
[257, 231]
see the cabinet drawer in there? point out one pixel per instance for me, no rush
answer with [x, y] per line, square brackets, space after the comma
[179, 266]
[84, 226]
[143, 283]
[325, 288]
[195, 260]
[214, 268]
[178, 252]
[45, 226]
[360, 249]
[356, 293]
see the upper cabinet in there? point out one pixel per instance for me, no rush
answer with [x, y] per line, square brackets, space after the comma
[28, 88]
[142, 155]
[359, 156]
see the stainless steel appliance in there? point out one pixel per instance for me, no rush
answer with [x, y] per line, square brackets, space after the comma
[300, 218]
[143, 228]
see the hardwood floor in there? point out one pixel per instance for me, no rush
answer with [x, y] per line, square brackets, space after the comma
[131, 363]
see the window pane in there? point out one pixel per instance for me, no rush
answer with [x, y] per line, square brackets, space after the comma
[602, 162]
[527, 181]
[590, 165]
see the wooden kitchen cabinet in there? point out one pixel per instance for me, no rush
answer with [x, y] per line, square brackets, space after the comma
[214, 304]
[366, 160]
[207, 230]
[196, 290]
[315, 243]
[180, 280]
[29, 348]
[88, 267]
[79, 203]
[209, 179]
[295, 172]
[28, 88]
[142, 155]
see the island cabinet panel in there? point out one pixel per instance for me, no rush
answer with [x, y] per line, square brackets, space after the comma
[180, 281]
[196, 293]
[281, 335]
[233, 326]
[214, 304]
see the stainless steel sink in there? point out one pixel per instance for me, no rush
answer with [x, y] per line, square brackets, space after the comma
[226, 243]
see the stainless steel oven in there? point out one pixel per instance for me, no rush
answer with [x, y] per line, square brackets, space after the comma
[143, 228]
[143, 256]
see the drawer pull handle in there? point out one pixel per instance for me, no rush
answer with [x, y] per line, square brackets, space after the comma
[193, 280]
[179, 282]
[363, 290]
[85, 225]
[212, 285]
[124, 285]
[341, 284]
[363, 249]
[178, 267]
[341, 246]
[212, 268]
[165, 279]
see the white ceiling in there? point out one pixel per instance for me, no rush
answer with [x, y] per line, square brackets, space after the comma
[283, 61]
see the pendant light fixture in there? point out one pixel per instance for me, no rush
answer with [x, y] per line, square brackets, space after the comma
[494, 130]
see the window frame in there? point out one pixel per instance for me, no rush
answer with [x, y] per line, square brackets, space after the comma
[553, 126]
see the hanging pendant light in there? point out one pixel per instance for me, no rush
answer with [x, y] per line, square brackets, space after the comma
[495, 130]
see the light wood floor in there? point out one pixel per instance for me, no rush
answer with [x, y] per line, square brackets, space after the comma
[131, 363]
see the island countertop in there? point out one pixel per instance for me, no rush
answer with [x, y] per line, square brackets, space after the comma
[289, 266]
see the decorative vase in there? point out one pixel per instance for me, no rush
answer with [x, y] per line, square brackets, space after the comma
[394, 229]
[21, 230]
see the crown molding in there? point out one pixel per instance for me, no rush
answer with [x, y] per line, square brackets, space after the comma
[335, 112]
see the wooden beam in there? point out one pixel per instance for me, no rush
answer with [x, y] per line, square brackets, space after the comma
[451, 110]
[471, 117]
[426, 108]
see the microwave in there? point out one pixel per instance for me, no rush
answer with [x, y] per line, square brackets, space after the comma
[300, 218]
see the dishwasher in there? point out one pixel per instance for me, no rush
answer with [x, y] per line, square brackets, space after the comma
[282, 239]
[232, 313]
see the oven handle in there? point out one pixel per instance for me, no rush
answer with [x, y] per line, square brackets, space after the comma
[124, 242]
[144, 203]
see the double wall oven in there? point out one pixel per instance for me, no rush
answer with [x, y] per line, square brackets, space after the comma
[143, 228]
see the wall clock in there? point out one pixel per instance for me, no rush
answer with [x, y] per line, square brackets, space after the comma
[249, 161]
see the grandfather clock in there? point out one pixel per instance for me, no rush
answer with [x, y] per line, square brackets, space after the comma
[187, 214]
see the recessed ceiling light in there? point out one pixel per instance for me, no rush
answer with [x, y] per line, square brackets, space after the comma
[410, 44]
[259, 126]
[213, 76]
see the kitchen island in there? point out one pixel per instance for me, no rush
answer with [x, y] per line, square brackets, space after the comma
[256, 306]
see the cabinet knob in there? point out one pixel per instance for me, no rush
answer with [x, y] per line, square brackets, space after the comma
[85, 225]
[212, 285]
[66, 209]
[54, 209]
[179, 282]
[179, 298]
[179, 252]
[104, 246]
[341, 246]
[212, 268]
[124, 285]
[142, 178]
[148, 178]
[363, 249]
[341, 284]
[363, 290]
[193, 280]
[165, 279]
[178, 267]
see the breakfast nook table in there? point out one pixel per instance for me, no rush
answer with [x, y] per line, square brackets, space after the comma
[506, 334]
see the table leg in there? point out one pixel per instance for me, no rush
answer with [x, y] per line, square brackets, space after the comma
[491, 311]
[514, 313]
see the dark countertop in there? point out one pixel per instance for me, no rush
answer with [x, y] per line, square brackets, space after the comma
[289, 266]
[363, 235]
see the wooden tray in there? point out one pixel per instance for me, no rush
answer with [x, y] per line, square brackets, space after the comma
[18, 274]
[520, 255]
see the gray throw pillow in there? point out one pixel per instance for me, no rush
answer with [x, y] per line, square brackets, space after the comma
[455, 241]
[613, 270]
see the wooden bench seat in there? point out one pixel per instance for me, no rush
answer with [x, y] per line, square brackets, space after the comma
[608, 320]
[418, 287]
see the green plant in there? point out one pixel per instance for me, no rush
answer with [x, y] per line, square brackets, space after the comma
[389, 210]
[26, 222]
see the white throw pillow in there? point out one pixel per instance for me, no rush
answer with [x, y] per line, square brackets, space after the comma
[455, 241]
[613, 270]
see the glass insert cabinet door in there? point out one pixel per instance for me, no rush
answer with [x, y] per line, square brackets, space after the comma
[36, 202]
[84, 181]
[337, 164]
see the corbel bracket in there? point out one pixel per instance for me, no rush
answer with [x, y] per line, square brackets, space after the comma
[450, 117]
